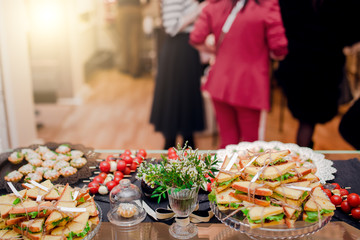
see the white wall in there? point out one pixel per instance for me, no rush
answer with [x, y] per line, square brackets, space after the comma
[14, 55]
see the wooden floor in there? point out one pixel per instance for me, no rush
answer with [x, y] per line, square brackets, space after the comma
[116, 116]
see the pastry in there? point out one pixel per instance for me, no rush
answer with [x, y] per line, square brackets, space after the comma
[78, 162]
[31, 154]
[76, 154]
[63, 157]
[68, 171]
[13, 176]
[61, 164]
[49, 156]
[63, 148]
[33, 176]
[35, 162]
[52, 175]
[42, 150]
[41, 170]
[26, 169]
[16, 157]
[126, 210]
[49, 163]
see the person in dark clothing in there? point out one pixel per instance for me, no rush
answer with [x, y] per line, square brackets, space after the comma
[177, 107]
[310, 75]
[349, 127]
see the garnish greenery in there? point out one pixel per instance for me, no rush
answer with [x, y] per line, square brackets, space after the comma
[212, 196]
[59, 221]
[16, 201]
[187, 171]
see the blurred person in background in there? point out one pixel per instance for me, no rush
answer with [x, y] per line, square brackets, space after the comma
[238, 81]
[129, 26]
[310, 75]
[177, 105]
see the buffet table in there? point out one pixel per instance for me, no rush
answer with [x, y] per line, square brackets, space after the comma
[342, 226]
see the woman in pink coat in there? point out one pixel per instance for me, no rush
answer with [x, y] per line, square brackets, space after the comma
[238, 81]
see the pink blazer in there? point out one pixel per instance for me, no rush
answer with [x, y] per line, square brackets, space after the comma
[240, 75]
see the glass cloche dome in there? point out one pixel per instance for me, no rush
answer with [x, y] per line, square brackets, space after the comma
[126, 208]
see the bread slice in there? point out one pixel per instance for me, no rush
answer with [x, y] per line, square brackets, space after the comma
[13, 221]
[29, 206]
[318, 203]
[271, 172]
[52, 195]
[35, 225]
[94, 220]
[51, 237]
[249, 187]
[77, 225]
[310, 177]
[265, 158]
[272, 223]
[224, 177]
[300, 171]
[32, 236]
[245, 197]
[9, 235]
[9, 198]
[259, 212]
[90, 207]
[290, 223]
[290, 192]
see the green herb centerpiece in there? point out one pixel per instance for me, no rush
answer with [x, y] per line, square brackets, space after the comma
[181, 179]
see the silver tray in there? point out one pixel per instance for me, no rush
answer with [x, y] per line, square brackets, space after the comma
[236, 222]
[92, 234]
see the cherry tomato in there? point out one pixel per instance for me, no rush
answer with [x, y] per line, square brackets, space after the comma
[118, 174]
[138, 160]
[322, 187]
[353, 199]
[173, 156]
[105, 167]
[171, 150]
[117, 179]
[345, 206]
[134, 166]
[121, 165]
[343, 192]
[94, 187]
[127, 171]
[355, 212]
[336, 200]
[110, 185]
[128, 159]
[103, 175]
[110, 158]
[123, 155]
[337, 186]
[127, 152]
[142, 153]
[328, 192]
[98, 179]
[208, 187]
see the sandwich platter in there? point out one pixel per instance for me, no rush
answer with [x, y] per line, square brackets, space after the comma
[272, 190]
[325, 171]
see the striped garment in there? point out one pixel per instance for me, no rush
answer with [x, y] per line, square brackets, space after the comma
[174, 12]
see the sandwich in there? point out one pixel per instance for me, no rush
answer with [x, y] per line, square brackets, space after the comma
[259, 216]
[318, 206]
[28, 209]
[78, 227]
[34, 192]
[32, 229]
[223, 180]
[59, 218]
[90, 207]
[251, 192]
[226, 201]
[273, 175]
[11, 199]
[271, 158]
[9, 234]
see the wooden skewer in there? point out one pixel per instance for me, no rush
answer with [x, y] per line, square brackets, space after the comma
[99, 160]
[86, 181]
[92, 167]
[347, 187]
[97, 172]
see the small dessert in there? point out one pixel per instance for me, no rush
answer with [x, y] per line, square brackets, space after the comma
[78, 162]
[126, 210]
[16, 157]
[63, 148]
[61, 164]
[52, 175]
[50, 156]
[13, 176]
[42, 150]
[76, 154]
[49, 163]
[63, 157]
[26, 169]
[33, 176]
[68, 171]
[35, 162]
[31, 155]
[41, 170]
[27, 151]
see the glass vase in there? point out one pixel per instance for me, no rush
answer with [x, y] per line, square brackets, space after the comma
[183, 203]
